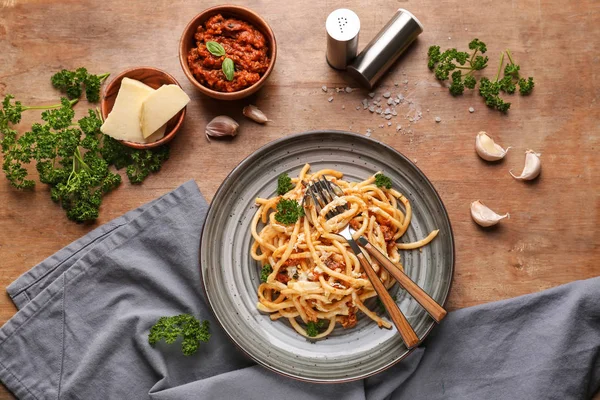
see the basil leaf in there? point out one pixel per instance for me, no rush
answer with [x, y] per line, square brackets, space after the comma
[228, 68]
[215, 49]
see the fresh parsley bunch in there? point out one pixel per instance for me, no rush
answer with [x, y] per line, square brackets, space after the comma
[72, 157]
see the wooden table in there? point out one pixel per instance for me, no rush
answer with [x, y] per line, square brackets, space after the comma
[552, 236]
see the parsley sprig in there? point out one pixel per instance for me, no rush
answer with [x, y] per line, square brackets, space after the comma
[442, 63]
[284, 184]
[460, 68]
[71, 83]
[188, 327]
[288, 211]
[265, 272]
[383, 181]
[312, 328]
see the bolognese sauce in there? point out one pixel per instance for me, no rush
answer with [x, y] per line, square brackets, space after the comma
[244, 45]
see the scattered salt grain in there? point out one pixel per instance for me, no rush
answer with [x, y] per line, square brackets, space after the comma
[372, 94]
[330, 99]
[381, 125]
[339, 89]
[387, 95]
[358, 107]
[395, 83]
[387, 111]
[324, 88]
[369, 132]
[389, 124]
[398, 127]
[438, 119]
[388, 117]
[471, 110]
[394, 113]
[372, 109]
[378, 111]
[348, 89]
[343, 107]
[390, 101]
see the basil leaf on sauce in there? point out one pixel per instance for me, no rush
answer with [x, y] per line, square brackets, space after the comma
[215, 49]
[228, 68]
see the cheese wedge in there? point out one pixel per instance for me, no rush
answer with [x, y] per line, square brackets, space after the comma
[159, 134]
[123, 122]
[160, 106]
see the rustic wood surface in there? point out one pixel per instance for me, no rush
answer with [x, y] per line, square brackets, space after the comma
[552, 236]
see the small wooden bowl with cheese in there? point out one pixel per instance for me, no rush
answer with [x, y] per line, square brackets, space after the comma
[129, 122]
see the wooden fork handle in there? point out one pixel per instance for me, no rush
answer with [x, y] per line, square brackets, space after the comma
[436, 311]
[409, 336]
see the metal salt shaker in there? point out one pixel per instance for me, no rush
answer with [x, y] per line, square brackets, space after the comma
[342, 27]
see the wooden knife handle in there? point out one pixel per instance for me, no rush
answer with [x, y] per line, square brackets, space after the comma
[436, 311]
[409, 336]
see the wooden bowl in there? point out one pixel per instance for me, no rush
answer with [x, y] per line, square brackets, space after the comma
[154, 78]
[187, 42]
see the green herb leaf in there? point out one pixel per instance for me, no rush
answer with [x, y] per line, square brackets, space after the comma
[189, 328]
[215, 48]
[383, 181]
[284, 184]
[265, 272]
[312, 328]
[288, 211]
[228, 68]
[526, 86]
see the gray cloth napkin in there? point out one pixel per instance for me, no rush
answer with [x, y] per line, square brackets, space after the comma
[81, 331]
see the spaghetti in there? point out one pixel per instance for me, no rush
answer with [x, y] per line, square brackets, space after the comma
[314, 277]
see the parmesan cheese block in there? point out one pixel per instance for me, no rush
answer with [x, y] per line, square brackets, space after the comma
[123, 122]
[160, 106]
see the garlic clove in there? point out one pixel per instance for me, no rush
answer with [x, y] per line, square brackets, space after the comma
[221, 126]
[533, 166]
[484, 216]
[255, 114]
[488, 149]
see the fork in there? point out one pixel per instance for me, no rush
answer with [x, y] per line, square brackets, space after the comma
[436, 311]
[322, 194]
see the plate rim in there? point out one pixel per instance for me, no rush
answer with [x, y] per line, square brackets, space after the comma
[258, 153]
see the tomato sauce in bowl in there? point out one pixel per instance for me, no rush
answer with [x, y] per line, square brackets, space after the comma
[246, 46]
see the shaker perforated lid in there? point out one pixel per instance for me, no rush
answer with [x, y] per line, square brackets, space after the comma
[342, 27]
[385, 48]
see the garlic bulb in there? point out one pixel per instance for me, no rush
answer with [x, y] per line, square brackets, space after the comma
[255, 114]
[221, 126]
[488, 149]
[483, 216]
[533, 166]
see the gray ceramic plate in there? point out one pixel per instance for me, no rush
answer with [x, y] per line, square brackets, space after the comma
[231, 276]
